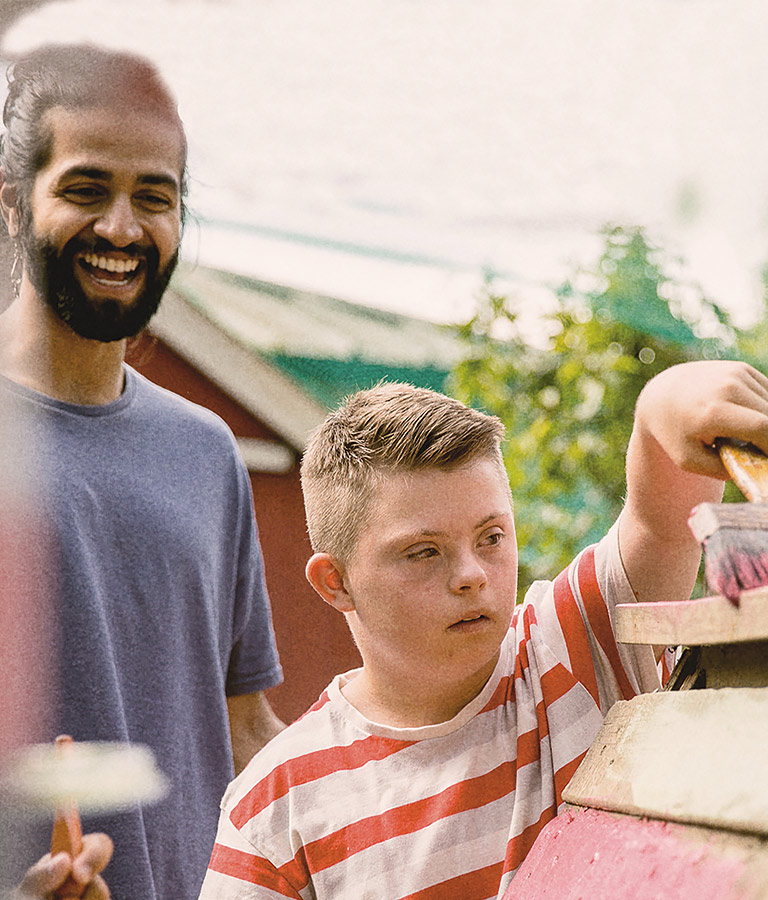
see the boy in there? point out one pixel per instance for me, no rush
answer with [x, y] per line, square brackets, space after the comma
[429, 772]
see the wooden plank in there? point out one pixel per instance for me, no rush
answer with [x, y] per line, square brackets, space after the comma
[707, 620]
[688, 756]
[587, 853]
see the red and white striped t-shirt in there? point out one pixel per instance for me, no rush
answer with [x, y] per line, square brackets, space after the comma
[339, 808]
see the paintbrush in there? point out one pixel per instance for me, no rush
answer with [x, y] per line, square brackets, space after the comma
[735, 535]
[67, 834]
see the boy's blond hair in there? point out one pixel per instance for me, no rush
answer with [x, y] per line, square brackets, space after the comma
[389, 428]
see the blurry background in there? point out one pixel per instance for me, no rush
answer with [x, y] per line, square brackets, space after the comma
[392, 151]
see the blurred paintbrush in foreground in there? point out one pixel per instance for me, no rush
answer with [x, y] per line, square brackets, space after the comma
[735, 535]
[94, 777]
[67, 831]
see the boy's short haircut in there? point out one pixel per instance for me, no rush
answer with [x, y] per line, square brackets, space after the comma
[389, 428]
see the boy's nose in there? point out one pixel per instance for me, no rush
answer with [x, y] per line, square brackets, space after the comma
[468, 575]
[118, 223]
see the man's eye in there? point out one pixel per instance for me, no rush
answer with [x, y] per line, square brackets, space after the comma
[495, 537]
[155, 201]
[83, 194]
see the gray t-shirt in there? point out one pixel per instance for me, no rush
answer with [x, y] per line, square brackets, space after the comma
[163, 610]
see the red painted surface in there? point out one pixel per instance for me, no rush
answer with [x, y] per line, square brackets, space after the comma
[595, 855]
[312, 638]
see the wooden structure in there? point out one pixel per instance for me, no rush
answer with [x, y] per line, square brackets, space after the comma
[672, 798]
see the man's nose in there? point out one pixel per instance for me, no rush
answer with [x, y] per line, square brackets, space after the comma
[118, 223]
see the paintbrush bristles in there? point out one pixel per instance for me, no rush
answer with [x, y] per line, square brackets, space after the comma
[732, 569]
[735, 541]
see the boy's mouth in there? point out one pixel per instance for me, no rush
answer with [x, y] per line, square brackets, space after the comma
[470, 622]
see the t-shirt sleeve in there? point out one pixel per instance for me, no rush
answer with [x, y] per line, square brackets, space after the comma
[237, 872]
[254, 663]
[575, 614]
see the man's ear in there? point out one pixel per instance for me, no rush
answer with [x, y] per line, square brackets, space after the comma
[326, 576]
[8, 205]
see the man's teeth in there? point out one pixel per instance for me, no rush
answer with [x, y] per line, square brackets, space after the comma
[111, 265]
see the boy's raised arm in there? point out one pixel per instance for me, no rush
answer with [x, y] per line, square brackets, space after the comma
[672, 466]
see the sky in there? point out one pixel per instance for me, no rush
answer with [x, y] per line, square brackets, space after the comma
[393, 152]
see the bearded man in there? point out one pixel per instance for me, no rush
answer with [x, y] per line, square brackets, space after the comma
[165, 634]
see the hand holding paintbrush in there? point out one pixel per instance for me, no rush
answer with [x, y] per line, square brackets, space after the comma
[735, 535]
[43, 879]
[71, 869]
[95, 776]
[672, 466]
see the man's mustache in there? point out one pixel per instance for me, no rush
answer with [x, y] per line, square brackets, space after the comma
[102, 245]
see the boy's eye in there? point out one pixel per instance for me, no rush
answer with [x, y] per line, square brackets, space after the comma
[494, 538]
[422, 553]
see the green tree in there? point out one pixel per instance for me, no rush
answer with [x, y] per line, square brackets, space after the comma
[568, 407]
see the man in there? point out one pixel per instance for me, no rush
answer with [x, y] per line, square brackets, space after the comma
[164, 624]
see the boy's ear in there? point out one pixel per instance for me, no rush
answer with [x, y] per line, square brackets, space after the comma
[326, 576]
[8, 208]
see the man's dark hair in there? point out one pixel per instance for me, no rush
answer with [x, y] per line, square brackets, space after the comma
[73, 76]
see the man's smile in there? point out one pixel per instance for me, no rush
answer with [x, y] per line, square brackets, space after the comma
[101, 291]
[110, 264]
[110, 270]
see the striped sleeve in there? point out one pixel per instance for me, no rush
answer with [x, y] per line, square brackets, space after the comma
[576, 616]
[236, 871]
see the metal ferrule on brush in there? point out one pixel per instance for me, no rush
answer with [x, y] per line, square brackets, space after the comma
[708, 518]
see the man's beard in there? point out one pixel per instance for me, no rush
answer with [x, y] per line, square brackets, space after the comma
[52, 274]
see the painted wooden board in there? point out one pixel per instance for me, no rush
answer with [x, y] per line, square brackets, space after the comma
[689, 756]
[707, 620]
[588, 854]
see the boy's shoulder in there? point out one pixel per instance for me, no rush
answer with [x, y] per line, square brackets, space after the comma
[295, 747]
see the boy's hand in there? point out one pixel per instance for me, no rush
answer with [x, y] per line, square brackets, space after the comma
[686, 407]
[672, 466]
[50, 872]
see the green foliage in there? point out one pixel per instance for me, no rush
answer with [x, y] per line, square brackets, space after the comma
[568, 406]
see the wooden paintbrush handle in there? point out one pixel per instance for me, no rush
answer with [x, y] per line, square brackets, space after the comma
[747, 466]
[67, 834]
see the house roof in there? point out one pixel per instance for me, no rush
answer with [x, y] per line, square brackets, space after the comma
[289, 355]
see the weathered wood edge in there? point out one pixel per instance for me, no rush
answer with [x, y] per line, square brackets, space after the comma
[707, 620]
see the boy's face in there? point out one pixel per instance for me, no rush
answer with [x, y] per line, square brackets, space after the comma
[433, 577]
